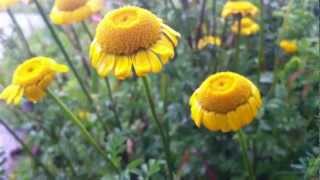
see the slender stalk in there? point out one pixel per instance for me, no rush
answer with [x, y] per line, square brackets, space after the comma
[214, 23]
[236, 55]
[85, 133]
[86, 28]
[245, 158]
[164, 139]
[28, 150]
[79, 48]
[63, 50]
[20, 33]
[261, 39]
[113, 103]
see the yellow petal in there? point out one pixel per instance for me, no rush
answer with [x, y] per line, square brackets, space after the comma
[155, 62]
[96, 56]
[123, 67]
[223, 120]
[106, 65]
[196, 114]
[18, 97]
[10, 93]
[233, 121]
[210, 121]
[141, 63]
[45, 81]
[244, 113]
[60, 68]
[164, 49]
[172, 34]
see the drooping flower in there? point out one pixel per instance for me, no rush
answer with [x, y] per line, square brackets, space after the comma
[248, 27]
[225, 101]
[209, 40]
[31, 78]
[132, 38]
[289, 46]
[245, 8]
[5, 4]
[73, 11]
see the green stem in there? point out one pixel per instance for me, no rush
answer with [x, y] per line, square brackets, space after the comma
[20, 33]
[261, 39]
[28, 150]
[245, 158]
[164, 139]
[86, 28]
[113, 103]
[85, 133]
[63, 50]
[236, 56]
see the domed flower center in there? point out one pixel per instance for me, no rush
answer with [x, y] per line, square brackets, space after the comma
[69, 5]
[224, 92]
[29, 72]
[126, 30]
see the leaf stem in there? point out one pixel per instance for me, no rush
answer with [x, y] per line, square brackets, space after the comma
[113, 103]
[245, 158]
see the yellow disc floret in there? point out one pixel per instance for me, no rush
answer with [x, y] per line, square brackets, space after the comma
[225, 102]
[128, 29]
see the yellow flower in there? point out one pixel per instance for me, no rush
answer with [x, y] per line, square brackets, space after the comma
[5, 4]
[289, 46]
[225, 101]
[73, 11]
[132, 38]
[248, 27]
[245, 8]
[209, 40]
[31, 78]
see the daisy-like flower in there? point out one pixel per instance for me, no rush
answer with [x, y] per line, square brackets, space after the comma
[209, 40]
[225, 101]
[73, 11]
[132, 38]
[31, 78]
[289, 46]
[245, 8]
[5, 4]
[248, 27]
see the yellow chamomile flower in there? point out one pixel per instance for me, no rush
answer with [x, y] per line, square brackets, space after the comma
[132, 38]
[31, 78]
[225, 101]
[209, 40]
[73, 11]
[4, 4]
[248, 27]
[289, 46]
[245, 8]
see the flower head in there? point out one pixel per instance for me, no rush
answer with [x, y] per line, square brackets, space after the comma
[225, 101]
[31, 78]
[71, 11]
[289, 46]
[248, 27]
[245, 8]
[132, 38]
[209, 40]
[4, 4]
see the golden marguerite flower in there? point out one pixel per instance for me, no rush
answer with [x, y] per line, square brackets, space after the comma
[289, 46]
[209, 40]
[245, 8]
[248, 27]
[31, 78]
[73, 11]
[225, 101]
[131, 38]
[4, 4]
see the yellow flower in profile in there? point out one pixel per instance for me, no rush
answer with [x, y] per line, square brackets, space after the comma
[73, 11]
[248, 27]
[209, 40]
[245, 8]
[31, 78]
[225, 101]
[289, 46]
[132, 38]
[5, 4]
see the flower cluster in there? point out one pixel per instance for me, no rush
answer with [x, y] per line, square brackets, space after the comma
[289, 46]
[247, 27]
[209, 40]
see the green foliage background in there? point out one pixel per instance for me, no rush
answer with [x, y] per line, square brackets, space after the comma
[283, 140]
